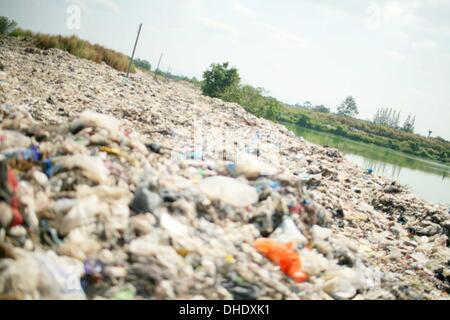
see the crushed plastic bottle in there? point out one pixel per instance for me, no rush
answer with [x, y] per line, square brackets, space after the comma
[95, 120]
[12, 139]
[41, 275]
[251, 167]
[229, 190]
[145, 201]
[93, 167]
[287, 231]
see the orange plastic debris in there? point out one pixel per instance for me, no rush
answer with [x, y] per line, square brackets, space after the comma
[14, 202]
[284, 255]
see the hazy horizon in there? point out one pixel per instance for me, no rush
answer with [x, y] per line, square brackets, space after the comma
[384, 53]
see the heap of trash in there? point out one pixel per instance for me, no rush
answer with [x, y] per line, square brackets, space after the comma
[89, 210]
[93, 207]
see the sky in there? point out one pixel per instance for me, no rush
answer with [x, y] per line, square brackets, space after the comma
[385, 53]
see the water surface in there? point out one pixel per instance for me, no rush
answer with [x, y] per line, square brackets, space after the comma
[428, 180]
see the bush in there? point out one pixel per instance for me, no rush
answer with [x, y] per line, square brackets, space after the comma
[321, 109]
[7, 26]
[340, 130]
[304, 121]
[143, 64]
[219, 79]
[348, 108]
[78, 47]
[413, 145]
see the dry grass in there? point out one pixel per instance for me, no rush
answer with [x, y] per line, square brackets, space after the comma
[78, 47]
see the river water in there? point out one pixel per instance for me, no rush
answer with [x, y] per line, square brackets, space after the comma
[428, 180]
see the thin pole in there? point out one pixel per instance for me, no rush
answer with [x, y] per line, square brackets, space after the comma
[159, 63]
[134, 50]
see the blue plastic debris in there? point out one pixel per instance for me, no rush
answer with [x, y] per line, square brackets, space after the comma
[93, 268]
[28, 154]
[45, 227]
[275, 185]
[49, 167]
[231, 168]
[196, 155]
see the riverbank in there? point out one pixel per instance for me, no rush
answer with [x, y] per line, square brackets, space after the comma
[427, 179]
[433, 148]
[138, 213]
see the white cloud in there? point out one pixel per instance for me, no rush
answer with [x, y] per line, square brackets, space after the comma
[394, 14]
[243, 10]
[217, 25]
[408, 14]
[110, 4]
[425, 44]
[194, 5]
[265, 26]
[402, 13]
[395, 55]
[284, 39]
[290, 40]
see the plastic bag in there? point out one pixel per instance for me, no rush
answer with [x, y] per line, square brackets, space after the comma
[284, 255]
[41, 275]
[95, 120]
[93, 167]
[287, 231]
[229, 191]
[8, 193]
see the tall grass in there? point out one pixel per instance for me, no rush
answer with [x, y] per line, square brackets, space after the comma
[77, 47]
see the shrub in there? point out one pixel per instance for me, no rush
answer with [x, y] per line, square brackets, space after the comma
[7, 25]
[304, 121]
[340, 130]
[143, 64]
[348, 107]
[77, 47]
[218, 79]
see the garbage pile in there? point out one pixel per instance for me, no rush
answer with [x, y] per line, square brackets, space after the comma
[96, 208]
[90, 211]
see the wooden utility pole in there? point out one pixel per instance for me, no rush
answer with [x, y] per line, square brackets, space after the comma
[134, 50]
[159, 63]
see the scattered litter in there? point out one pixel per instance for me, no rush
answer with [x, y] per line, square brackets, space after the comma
[284, 255]
[93, 207]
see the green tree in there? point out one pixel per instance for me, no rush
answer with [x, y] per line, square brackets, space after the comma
[143, 64]
[409, 123]
[7, 25]
[387, 117]
[220, 78]
[272, 108]
[348, 108]
[321, 108]
[307, 105]
[304, 121]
